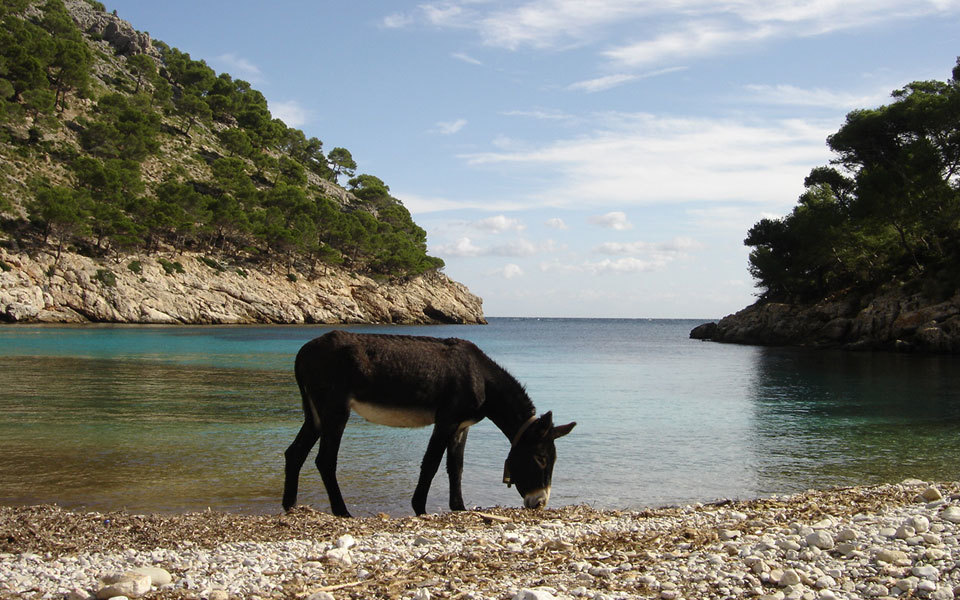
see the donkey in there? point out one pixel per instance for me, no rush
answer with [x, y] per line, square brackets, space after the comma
[411, 381]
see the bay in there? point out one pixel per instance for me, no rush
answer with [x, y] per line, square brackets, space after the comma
[186, 418]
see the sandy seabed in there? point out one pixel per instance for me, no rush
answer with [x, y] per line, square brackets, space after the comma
[895, 540]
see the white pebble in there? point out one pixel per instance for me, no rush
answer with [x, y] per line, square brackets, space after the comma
[926, 572]
[820, 539]
[951, 513]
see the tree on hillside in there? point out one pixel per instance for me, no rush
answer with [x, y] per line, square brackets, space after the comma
[127, 128]
[889, 212]
[193, 109]
[25, 49]
[142, 66]
[61, 214]
[237, 141]
[71, 68]
[342, 163]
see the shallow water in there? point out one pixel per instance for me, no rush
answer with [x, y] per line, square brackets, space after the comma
[185, 418]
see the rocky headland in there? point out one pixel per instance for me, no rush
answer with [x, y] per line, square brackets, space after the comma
[195, 289]
[896, 540]
[892, 321]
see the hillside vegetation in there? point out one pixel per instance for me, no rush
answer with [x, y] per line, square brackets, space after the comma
[884, 215]
[113, 145]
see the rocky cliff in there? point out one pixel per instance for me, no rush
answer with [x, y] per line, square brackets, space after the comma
[187, 288]
[891, 321]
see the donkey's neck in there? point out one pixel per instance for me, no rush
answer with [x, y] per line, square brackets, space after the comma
[510, 412]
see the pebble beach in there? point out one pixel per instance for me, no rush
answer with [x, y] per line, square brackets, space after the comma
[888, 541]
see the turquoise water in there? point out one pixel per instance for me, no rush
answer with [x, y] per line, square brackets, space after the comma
[185, 418]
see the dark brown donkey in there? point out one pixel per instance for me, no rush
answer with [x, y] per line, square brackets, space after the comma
[408, 381]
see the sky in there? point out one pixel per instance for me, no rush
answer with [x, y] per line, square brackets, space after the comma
[576, 158]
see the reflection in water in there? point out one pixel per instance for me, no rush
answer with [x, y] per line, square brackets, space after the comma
[180, 419]
[825, 418]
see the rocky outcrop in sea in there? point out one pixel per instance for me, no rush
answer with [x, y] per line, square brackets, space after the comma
[893, 321]
[196, 289]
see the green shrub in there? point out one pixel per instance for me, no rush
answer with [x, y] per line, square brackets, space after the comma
[242, 273]
[213, 264]
[5, 267]
[106, 277]
[135, 266]
[170, 267]
[291, 278]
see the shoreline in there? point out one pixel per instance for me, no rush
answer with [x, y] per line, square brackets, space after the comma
[859, 542]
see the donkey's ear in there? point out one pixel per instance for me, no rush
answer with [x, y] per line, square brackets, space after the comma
[545, 425]
[562, 430]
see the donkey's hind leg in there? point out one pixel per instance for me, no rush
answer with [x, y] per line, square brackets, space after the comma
[333, 421]
[295, 456]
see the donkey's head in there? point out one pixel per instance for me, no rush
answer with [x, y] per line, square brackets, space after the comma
[530, 462]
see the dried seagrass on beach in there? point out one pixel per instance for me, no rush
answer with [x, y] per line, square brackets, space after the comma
[890, 540]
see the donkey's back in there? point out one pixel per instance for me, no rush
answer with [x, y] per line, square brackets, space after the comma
[389, 370]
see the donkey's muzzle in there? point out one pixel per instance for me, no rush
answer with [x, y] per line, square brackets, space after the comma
[537, 499]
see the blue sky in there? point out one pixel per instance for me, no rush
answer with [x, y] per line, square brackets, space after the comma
[581, 158]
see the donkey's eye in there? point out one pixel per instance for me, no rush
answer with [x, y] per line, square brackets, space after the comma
[541, 461]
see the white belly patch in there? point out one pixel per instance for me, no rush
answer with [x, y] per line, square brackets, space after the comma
[392, 416]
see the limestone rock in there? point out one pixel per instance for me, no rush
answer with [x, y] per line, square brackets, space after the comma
[892, 556]
[889, 321]
[158, 576]
[533, 594]
[820, 539]
[131, 585]
[119, 33]
[77, 289]
[951, 513]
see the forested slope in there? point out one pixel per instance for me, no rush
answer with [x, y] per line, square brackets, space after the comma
[870, 256]
[124, 150]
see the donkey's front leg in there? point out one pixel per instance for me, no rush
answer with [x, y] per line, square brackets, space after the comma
[455, 467]
[431, 462]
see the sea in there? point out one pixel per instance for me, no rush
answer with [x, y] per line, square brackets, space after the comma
[182, 418]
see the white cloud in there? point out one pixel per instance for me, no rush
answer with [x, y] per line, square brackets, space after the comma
[664, 32]
[449, 127]
[690, 40]
[464, 247]
[790, 95]
[541, 114]
[508, 271]
[626, 265]
[520, 247]
[677, 245]
[239, 67]
[444, 14]
[556, 223]
[420, 204]
[641, 159]
[602, 83]
[610, 81]
[499, 224]
[291, 113]
[397, 21]
[616, 220]
[466, 58]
